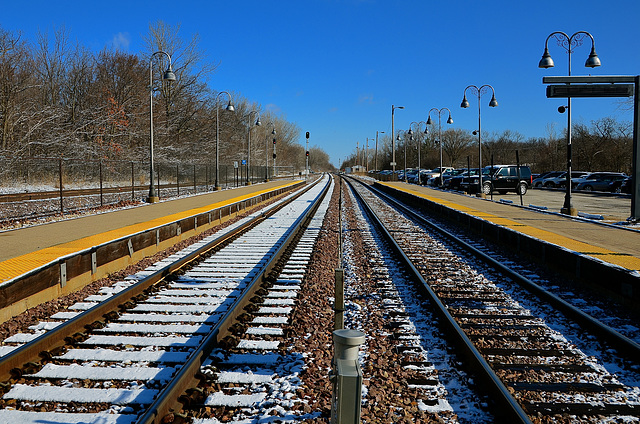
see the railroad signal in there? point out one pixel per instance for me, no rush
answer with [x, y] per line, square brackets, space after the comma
[307, 153]
[307, 134]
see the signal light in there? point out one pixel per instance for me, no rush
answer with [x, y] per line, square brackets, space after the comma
[307, 153]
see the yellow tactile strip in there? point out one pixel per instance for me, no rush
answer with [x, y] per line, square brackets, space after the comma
[21, 265]
[623, 260]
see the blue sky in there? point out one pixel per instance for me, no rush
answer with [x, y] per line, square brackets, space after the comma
[335, 67]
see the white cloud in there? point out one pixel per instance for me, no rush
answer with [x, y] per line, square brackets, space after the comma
[121, 41]
[366, 98]
[272, 107]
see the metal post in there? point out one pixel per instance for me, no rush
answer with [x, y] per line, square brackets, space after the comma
[158, 184]
[133, 182]
[101, 192]
[232, 109]
[518, 186]
[480, 189]
[168, 76]
[393, 139]
[405, 158]
[347, 377]
[376, 158]
[306, 166]
[568, 43]
[393, 143]
[635, 170]
[338, 306]
[249, 143]
[178, 179]
[419, 169]
[60, 181]
[492, 103]
[568, 208]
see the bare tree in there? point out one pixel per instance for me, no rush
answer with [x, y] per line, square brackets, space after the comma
[456, 141]
[191, 74]
[15, 80]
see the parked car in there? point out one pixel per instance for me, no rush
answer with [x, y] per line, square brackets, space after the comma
[620, 186]
[561, 180]
[435, 172]
[435, 181]
[454, 183]
[598, 181]
[412, 176]
[540, 181]
[503, 178]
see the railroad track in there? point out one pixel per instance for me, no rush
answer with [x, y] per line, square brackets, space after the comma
[144, 347]
[56, 194]
[533, 372]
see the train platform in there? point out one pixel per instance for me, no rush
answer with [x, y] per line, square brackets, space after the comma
[25, 250]
[616, 245]
[585, 248]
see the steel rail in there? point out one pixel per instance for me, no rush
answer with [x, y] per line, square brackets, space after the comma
[40, 347]
[168, 400]
[626, 346]
[510, 410]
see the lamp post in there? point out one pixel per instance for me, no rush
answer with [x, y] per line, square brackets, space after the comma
[404, 176]
[376, 157]
[465, 104]
[216, 185]
[275, 171]
[429, 122]
[410, 132]
[393, 141]
[257, 124]
[306, 163]
[266, 153]
[167, 76]
[569, 43]
[366, 156]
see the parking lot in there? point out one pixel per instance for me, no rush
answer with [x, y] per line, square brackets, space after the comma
[613, 208]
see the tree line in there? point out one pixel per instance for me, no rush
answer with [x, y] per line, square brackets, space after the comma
[604, 145]
[59, 99]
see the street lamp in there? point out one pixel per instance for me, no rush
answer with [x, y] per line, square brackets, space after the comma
[167, 76]
[266, 153]
[569, 43]
[429, 122]
[257, 124]
[465, 104]
[410, 132]
[376, 159]
[216, 185]
[393, 141]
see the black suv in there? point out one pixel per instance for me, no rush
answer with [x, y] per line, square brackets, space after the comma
[504, 178]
